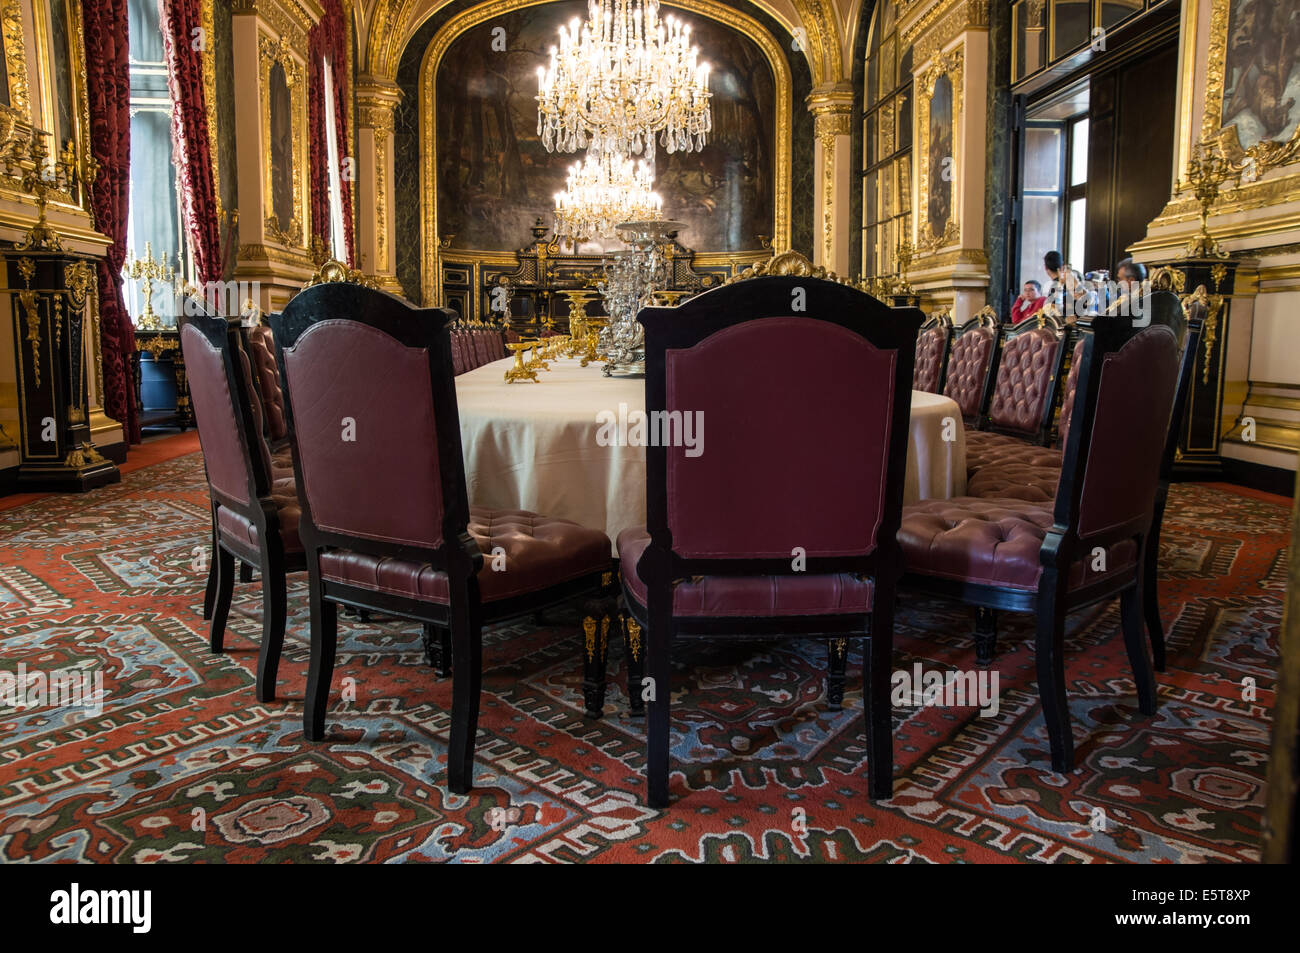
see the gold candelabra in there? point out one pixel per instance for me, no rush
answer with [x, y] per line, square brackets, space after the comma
[906, 252]
[1207, 170]
[148, 270]
[30, 165]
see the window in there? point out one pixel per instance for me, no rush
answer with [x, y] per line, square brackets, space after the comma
[1054, 183]
[886, 145]
[155, 212]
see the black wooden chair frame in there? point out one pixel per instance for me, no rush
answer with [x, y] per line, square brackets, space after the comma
[1053, 598]
[660, 566]
[270, 557]
[458, 556]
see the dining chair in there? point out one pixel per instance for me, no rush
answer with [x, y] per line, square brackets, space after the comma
[1091, 543]
[254, 513]
[386, 522]
[972, 357]
[1033, 473]
[785, 525]
[932, 354]
[1023, 401]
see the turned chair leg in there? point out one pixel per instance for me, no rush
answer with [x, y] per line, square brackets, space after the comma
[1135, 642]
[466, 687]
[634, 642]
[986, 635]
[1049, 659]
[210, 590]
[437, 648]
[659, 648]
[839, 664]
[224, 564]
[595, 634]
[324, 643]
[877, 706]
[273, 622]
[1151, 600]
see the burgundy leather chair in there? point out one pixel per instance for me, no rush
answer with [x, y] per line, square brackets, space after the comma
[1091, 544]
[459, 363]
[261, 348]
[480, 342]
[1023, 403]
[1033, 473]
[724, 528]
[386, 523]
[972, 357]
[932, 354]
[254, 506]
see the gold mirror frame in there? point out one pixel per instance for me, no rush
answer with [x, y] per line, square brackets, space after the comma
[430, 280]
[270, 52]
[950, 64]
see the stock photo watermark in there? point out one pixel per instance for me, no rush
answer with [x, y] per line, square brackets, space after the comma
[61, 689]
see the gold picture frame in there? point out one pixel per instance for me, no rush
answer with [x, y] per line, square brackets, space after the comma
[950, 64]
[1262, 155]
[270, 53]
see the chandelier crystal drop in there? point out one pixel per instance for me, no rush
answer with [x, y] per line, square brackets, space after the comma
[603, 191]
[620, 79]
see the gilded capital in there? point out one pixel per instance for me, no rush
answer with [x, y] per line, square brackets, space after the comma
[376, 100]
[832, 109]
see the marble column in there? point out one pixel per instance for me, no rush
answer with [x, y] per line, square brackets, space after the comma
[832, 109]
[376, 100]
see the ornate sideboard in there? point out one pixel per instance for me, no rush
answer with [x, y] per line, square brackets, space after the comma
[535, 281]
[52, 295]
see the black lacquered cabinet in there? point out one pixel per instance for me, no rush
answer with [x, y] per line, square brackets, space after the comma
[52, 298]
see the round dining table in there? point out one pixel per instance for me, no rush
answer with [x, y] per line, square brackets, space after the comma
[534, 446]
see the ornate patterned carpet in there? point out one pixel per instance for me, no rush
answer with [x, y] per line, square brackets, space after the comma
[184, 765]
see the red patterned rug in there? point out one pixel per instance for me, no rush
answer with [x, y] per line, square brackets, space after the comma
[183, 764]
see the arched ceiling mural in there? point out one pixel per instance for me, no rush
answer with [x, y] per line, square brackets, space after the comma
[385, 27]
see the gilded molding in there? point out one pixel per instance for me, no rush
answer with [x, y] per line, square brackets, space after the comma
[782, 174]
[1264, 155]
[950, 64]
[15, 56]
[271, 52]
[972, 15]
[381, 199]
[821, 27]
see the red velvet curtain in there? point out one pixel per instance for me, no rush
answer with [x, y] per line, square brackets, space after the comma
[108, 89]
[182, 24]
[328, 41]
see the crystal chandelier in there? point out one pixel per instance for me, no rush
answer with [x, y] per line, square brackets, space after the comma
[619, 79]
[603, 191]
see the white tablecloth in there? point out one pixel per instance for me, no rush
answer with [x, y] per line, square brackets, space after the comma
[533, 446]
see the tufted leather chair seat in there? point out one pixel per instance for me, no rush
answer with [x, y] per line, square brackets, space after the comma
[284, 494]
[990, 542]
[540, 552]
[759, 596]
[985, 449]
[1067, 399]
[261, 346]
[1024, 381]
[929, 360]
[1015, 481]
[968, 368]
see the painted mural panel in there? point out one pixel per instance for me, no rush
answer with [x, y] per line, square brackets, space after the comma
[940, 197]
[495, 177]
[1262, 74]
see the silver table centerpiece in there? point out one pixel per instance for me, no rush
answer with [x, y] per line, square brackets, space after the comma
[630, 280]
